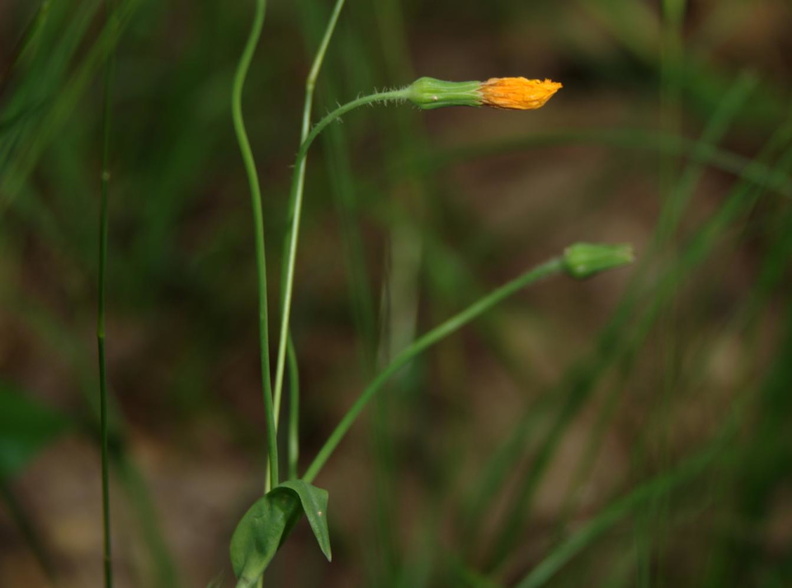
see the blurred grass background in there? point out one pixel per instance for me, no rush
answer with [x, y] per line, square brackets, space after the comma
[632, 430]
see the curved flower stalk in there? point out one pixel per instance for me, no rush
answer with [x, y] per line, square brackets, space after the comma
[426, 93]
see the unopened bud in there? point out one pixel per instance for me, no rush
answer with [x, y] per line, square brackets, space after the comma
[508, 93]
[583, 260]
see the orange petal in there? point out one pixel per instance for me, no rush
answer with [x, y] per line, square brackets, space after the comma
[517, 93]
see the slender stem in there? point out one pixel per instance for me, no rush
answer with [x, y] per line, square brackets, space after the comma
[294, 405]
[294, 412]
[101, 304]
[298, 181]
[145, 514]
[310, 82]
[549, 268]
[24, 523]
[258, 221]
[27, 45]
[398, 95]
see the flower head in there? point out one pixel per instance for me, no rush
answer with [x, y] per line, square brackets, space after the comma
[517, 93]
[508, 93]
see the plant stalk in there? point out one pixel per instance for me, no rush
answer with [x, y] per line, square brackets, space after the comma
[545, 270]
[258, 223]
[288, 349]
[107, 550]
[297, 189]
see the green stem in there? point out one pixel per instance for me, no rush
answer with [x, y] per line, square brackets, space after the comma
[298, 184]
[310, 82]
[100, 312]
[147, 517]
[294, 412]
[547, 269]
[27, 46]
[258, 221]
[294, 406]
[27, 528]
[662, 484]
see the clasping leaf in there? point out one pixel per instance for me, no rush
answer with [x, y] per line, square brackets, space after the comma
[269, 521]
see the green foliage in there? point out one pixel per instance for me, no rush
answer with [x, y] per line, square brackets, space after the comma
[314, 504]
[260, 532]
[26, 427]
[267, 524]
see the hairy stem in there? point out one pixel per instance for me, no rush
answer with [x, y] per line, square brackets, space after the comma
[298, 184]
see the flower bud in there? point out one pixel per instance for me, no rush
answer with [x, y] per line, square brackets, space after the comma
[507, 93]
[583, 260]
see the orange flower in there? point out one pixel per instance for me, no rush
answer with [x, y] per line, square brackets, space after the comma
[517, 93]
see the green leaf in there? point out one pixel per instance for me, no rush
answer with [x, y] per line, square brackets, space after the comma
[25, 428]
[314, 504]
[260, 532]
[269, 521]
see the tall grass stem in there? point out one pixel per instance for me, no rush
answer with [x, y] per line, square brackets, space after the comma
[107, 551]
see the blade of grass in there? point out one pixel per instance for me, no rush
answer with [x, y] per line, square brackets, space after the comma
[760, 469]
[27, 528]
[619, 342]
[752, 170]
[651, 527]
[139, 496]
[27, 45]
[616, 344]
[17, 156]
[100, 309]
[672, 212]
[663, 484]
[62, 343]
[342, 181]
[408, 206]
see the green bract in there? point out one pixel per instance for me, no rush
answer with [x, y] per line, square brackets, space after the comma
[432, 93]
[582, 260]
